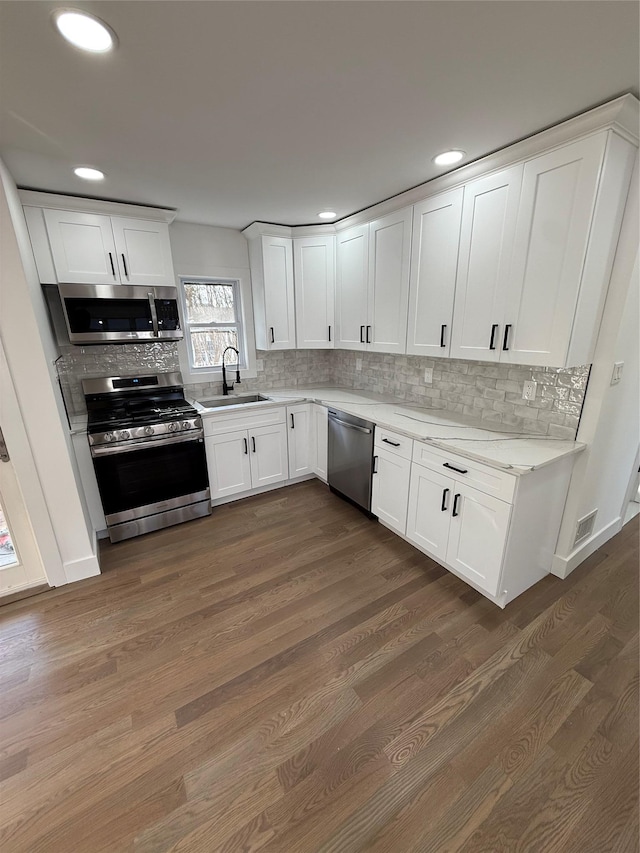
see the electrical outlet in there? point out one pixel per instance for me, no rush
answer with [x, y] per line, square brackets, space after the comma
[616, 376]
[259, 365]
[428, 375]
[358, 364]
[529, 390]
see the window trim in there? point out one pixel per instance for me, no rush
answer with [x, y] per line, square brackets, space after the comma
[244, 322]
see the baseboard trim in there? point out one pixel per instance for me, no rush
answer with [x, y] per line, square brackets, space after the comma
[79, 570]
[562, 567]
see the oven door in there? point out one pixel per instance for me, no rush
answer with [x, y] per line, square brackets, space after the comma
[151, 478]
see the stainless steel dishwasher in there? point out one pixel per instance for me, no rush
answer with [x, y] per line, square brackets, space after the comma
[350, 458]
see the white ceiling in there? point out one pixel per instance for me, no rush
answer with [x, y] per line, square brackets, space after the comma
[240, 111]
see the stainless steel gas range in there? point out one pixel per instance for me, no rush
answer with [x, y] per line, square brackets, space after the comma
[147, 445]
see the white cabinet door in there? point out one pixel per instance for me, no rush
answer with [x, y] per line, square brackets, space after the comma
[321, 434]
[352, 276]
[269, 462]
[82, 247]
[143, 252]
[489, 213]
[277, 257]
[228, 463]
[300, 424]
[477, 537]
[389, 257]
[429, 517]
[556, 208]
[390, 495]
[434, 261]
[315, 278]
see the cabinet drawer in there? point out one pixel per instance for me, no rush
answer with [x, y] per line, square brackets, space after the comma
[217, 424]
[393, 442]
[489, 480]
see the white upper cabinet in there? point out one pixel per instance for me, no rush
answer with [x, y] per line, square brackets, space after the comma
[314, 278]
[388, 292]
[143, 252]
[434, 261]
[82, 247]
[273, 297]
[489, 215]
[559, 192]
[352, 285]
[77, 247]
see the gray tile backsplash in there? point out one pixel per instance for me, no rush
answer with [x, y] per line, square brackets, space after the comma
[491, 392]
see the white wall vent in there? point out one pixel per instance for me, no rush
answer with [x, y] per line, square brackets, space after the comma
[584, 527]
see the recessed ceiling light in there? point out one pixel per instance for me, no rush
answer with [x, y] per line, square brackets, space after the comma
[327, 214]
[447, 158]
[84, 31]
[89, 174]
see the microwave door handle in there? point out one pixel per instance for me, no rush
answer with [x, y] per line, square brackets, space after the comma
[154, 315]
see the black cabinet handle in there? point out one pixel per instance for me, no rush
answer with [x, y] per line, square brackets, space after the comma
[453, 468]
[361, 334]
[246, 447]
[113, 268]
[124, 264]
[442, 330]
[253, 443]
[329, 333]
[443, 506]
[456, 498]
[392, 443]
[293, 423]
[273, 340]
[492, 342]
[505, 342]
[375, 465]
[368, 338]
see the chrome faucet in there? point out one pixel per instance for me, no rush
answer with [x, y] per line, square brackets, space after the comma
[226, 388]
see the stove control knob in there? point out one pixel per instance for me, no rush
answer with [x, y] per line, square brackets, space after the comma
[185, 424]
[108, 436]
[174, 426]
[148, 430]
[125, 434]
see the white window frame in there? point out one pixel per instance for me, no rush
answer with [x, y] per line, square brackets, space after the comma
[246, 335]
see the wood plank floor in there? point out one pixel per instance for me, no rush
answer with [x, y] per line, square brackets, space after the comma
[288, 676]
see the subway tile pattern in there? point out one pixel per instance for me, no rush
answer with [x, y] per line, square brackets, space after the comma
[488, 391]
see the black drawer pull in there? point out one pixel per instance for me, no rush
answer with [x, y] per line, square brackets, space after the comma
[443, 506]
[456, 498]
[375, 465]
[442, 330]
[113, 269]
[273, 339]
[124, 264]
[492, 342]
[392, 443]
[368, 338]
[453, 468]
[293, 423]
[329, 333]
[361, 334]
[505, 342]
[246, 447]
[253, 444]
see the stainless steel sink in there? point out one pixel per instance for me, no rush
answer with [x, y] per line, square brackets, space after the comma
[233, 400]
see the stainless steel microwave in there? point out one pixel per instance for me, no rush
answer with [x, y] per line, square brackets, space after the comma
[118, 313]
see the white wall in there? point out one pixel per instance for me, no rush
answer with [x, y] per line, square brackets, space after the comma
[610, 423]
[48, 475]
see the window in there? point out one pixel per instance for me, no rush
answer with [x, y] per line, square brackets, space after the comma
[213, 321]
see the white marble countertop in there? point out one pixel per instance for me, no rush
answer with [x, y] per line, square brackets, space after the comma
[494, 446]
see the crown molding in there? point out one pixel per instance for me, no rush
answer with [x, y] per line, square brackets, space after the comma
[54, 201]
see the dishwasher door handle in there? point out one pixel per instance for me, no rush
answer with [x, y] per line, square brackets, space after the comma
[350, 426]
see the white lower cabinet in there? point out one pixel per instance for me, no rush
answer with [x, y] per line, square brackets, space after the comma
[500, 545]
[321, 440]
[391, 474]
[302, 454]
[245, 451]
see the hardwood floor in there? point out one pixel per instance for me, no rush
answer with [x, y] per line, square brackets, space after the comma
[288, 676]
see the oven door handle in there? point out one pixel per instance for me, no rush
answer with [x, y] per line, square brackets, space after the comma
[144, 444]
[154, 314]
